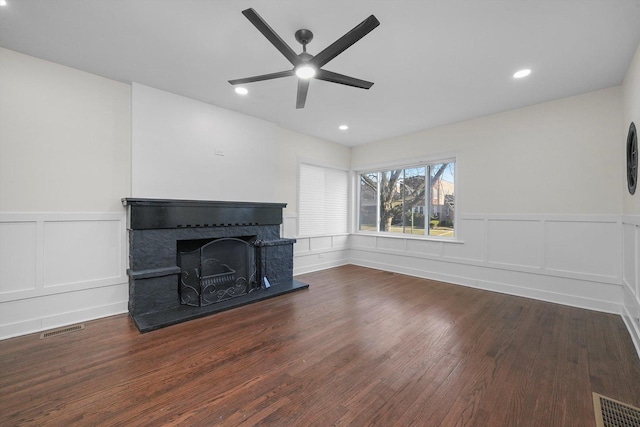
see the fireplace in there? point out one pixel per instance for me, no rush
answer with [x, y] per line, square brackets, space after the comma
[189, 259]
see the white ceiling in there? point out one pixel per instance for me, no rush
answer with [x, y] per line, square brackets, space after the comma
[432, 61]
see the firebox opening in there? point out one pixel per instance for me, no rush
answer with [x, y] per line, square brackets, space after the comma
[214, 270]
[193, 244]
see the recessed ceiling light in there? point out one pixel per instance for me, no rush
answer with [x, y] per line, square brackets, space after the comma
[3, 2]
[522, 73]
[241, 90]
[343, 127]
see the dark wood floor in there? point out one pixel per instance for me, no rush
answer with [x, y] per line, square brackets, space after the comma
[360, 347]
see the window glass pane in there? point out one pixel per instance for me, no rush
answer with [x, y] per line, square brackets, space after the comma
[402, 200]
[442, 199]
[413, 195]
[390, 199]
[368, 219]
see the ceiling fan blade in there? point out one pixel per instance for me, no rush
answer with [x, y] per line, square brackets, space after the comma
[271, 35]
[262, 77]
[330, 76]
[303, 88]
[344, 42]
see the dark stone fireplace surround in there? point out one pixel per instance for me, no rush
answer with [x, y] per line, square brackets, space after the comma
[156, 226]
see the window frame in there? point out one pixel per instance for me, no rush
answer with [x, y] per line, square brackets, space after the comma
[427, 163]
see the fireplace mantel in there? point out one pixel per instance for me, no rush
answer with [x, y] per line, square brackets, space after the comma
[156, 226]
[145, 214]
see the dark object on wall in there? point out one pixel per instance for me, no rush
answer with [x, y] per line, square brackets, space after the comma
[313, 64]
[632, 159]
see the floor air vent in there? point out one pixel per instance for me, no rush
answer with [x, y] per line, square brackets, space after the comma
[611, 413]
[60, 331]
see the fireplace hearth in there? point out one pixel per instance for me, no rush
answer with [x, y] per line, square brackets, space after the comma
[189, 259]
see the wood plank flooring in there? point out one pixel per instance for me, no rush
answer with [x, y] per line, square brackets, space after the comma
[360, 347]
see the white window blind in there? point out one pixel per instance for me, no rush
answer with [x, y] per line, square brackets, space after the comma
[322, 200]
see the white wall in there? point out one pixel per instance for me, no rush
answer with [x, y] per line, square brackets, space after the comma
[551, 158]
[64, 138]
[631, 208]
[64, 166]
[186, 149]
[293, 148]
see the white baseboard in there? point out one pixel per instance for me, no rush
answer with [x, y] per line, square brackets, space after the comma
[319, 266]
[35, 325]
[633, 330]
[630, 312]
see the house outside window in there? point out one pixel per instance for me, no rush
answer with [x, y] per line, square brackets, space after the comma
[415, 200]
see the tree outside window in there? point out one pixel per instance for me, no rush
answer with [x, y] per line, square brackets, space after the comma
[401, 201]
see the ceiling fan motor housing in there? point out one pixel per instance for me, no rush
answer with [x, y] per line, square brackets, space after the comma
[304, 36]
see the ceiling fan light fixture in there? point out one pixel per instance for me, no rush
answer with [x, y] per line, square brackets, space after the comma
[522, 73]
[305, 71]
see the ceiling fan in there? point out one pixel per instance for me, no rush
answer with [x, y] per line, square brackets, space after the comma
[305, 65]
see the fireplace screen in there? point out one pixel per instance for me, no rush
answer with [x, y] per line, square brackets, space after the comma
[216, 271]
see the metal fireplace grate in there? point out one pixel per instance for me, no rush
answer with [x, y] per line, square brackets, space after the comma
[611, 413]
[60, 331]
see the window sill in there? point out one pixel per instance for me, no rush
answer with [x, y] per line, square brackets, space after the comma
[409, 237]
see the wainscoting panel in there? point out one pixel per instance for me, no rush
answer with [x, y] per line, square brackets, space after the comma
[82, 251]
[515, 242]
[320, 244]
[471, 231]
[367, 241]
[630, 259]
[424, 247]
[320, 252]
[301, 246]
[631, 277]
[566, 241]
[392, 244]
[18, 255]
[571, 260]
[60, 268]
[340, 241]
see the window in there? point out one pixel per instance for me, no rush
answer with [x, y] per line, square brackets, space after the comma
[418, 200]
[322, 201]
